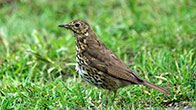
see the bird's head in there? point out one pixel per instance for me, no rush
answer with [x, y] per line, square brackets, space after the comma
[77, 26]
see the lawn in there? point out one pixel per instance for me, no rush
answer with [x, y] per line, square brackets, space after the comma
[156, 38]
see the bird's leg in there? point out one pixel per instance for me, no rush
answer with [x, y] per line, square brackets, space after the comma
[114, 94]
[107, 93]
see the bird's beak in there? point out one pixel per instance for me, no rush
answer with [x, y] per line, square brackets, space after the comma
[64, 25]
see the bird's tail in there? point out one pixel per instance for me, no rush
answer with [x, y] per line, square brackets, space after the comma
[161, 89]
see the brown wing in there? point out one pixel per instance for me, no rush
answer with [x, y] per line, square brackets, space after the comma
[105, 60]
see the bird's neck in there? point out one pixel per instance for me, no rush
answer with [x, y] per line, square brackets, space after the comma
[82, 40]
[81, 43]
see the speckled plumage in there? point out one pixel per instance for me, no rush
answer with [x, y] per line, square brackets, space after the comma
[87, 72]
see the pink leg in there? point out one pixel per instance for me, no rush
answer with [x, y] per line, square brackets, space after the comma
[114, 94]
[107, 93]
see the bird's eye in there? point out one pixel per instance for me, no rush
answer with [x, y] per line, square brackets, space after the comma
[77, 24]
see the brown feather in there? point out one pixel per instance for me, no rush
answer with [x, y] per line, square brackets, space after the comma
[161, 89]
[107, 62]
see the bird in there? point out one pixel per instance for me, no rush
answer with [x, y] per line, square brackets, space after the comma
[98, 65]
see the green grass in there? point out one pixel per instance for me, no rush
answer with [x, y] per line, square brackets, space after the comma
[155, 38]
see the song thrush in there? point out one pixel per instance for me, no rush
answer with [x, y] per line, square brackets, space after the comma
[98, 65]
